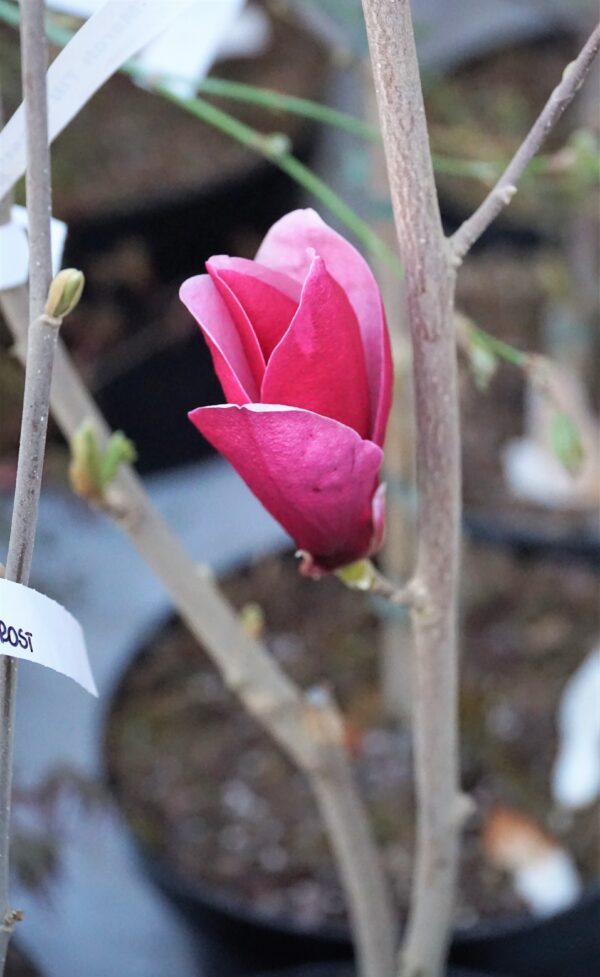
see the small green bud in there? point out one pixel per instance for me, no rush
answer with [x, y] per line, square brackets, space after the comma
[483, 363]
[357, 576]
[65, 292]
[93, 468]
[84, 470]
[566, 442]
[252, 618]
[119, 451]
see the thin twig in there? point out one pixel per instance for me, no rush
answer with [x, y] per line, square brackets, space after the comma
[506, 187]
[307, 727]
[429, 283]
[41, 344]
[7, 717]
[37, 385]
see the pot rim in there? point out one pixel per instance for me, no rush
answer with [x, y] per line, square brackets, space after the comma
[220, 899]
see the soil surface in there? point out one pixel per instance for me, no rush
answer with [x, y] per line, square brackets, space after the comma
[203, 787]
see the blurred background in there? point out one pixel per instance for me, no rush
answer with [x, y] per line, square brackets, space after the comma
[157, 828]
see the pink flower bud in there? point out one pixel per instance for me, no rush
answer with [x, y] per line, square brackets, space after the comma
[300, 344]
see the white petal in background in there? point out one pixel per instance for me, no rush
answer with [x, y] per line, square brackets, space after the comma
[533, 474]
[576, 776]
[549, 884]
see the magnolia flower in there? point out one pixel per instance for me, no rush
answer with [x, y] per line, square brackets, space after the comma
[300, 344]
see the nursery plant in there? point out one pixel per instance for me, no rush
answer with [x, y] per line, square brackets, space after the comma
[300, 345]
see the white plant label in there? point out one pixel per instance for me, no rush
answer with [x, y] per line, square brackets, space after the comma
[112, 35]
[37, 629]
[183, 53]
[14, 255]
[14, 248]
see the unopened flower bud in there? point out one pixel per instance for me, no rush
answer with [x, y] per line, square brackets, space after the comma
[65, 292]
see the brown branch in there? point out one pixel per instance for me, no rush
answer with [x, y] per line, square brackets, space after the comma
[308, 727]
[41, 343]
[429, 283]
[502, 193]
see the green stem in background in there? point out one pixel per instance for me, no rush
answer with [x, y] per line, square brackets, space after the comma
[484, 171]
[279, 102]
[269, 99]
[500, 349]
[483, 351]
[223, 88]
[274, 147]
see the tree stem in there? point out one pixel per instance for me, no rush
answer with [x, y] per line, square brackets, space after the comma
[41, 344]
[429, 282]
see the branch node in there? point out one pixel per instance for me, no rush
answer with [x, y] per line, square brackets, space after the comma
[11, 917]
[421, 602]
[506, 194]
[50, 320]
[115, 504]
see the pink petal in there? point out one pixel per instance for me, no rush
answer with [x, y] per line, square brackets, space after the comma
[319, 364]
[378, 512]
[267, 307]
[313, 474]
[200, 296]
[286, 248]
[243, 326]
[289, 286]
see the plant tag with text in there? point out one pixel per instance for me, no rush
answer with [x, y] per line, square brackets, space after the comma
[112, 35]
[35, 628]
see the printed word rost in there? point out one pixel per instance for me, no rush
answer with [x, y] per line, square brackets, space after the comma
[16, 637]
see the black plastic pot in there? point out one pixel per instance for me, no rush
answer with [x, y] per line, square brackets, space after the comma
[581, 547]
[566, 944]
[236, 940]
[347, 970]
